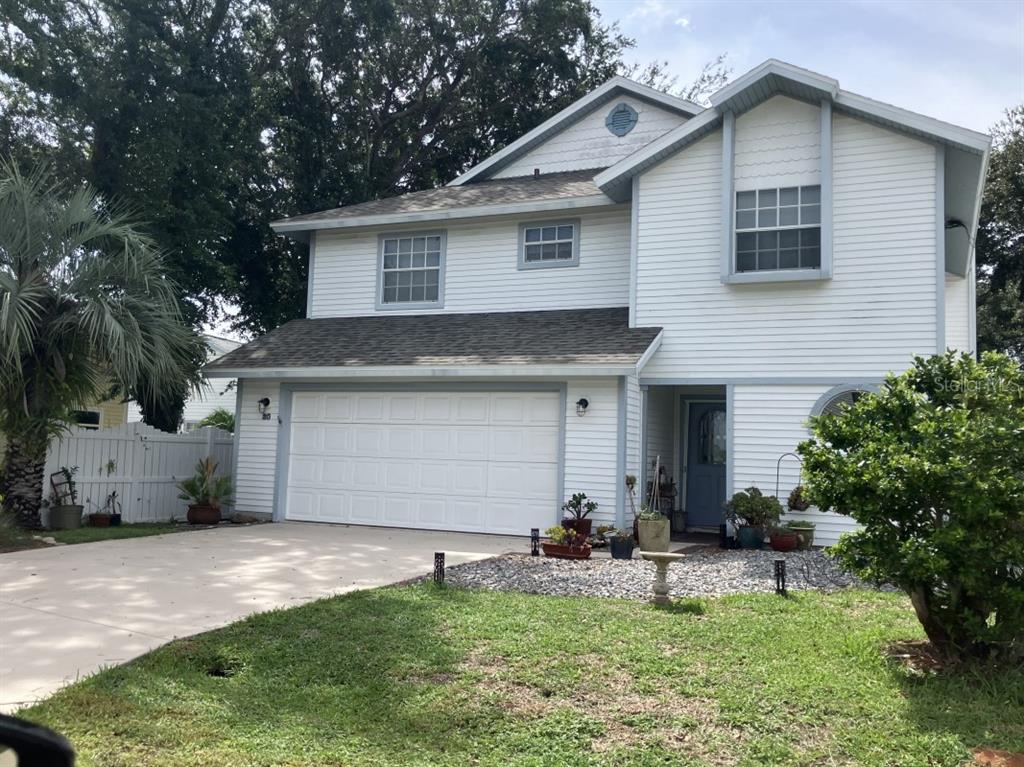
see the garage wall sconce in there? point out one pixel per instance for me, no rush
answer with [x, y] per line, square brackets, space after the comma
[264, 408]
[581, 406]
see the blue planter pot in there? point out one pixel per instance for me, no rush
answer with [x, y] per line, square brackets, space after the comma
[750, 537]
[622, 548]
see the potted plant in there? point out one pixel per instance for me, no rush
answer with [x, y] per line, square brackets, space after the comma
[65, 511]
[601, 536]
[622, 544]
[205, 492]
[797, 500]
[109, 515]
[804, 531]
[577, 509]
[653, 529]
[752, 513]
[565, 543]
[783, 538]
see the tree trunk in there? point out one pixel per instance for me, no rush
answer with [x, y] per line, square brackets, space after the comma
[937, 633]
[23, 483]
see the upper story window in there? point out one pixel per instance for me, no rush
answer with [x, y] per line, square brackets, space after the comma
[411, 270]
[86, 419]
[778, 229]
[548, 244]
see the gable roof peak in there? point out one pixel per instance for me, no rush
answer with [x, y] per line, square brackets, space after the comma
[576, 111]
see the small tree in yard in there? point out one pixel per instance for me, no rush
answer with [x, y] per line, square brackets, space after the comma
[84, 308]
[932, 467]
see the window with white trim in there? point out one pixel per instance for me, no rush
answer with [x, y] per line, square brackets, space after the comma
[550, 243]
[86, 419]
[410, 269]
[778, 229]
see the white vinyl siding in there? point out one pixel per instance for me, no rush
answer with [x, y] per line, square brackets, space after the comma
[872, 317]
[591, 443]
[481, 269]
[958, 325]
[589, 143]
[257, 448]
[661, 423]
[768, 422]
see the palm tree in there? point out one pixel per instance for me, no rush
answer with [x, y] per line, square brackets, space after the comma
[84, 306]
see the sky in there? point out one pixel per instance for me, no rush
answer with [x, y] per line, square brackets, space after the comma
[962, 62]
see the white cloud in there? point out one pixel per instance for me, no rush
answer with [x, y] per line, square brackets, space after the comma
[683, 22]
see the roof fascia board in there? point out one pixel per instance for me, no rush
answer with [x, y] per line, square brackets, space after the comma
[440, 371]
[571, 114]
[781, 69]
[286, 226]
[646, 356]
[963, 138]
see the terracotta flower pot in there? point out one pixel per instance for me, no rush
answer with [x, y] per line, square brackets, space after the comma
[99, 520]
[558, 551]
[203, 515]
[784, 540]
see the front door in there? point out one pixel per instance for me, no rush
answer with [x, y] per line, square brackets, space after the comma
[705, 464]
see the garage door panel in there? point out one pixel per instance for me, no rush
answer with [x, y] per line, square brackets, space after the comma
[479, 462]
[338, 439]
[304, 470]
[399, 511]
[400, 476]
[365, 508]
[506, 444]
[436, 443]
[469, 478]
[306, 406]
[472, 409]
[432, 513]
[306, 437]
[369, 407]
[465, 514]
[332, 507]
[365, 475]
[337, 407]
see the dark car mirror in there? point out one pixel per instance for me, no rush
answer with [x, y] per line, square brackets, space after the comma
[23, 744]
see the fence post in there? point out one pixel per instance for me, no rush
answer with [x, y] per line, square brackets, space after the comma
[211, 433]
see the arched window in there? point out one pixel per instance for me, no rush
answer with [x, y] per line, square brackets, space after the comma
[838, 398]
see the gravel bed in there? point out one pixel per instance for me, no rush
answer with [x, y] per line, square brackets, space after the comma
[707, 572]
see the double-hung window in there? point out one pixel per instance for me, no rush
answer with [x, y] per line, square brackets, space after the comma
[411, 270]
[778, 229]
[549, 244]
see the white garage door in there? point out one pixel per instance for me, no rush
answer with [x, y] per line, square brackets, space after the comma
[470, 461]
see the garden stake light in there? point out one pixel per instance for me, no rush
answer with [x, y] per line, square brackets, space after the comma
[439, 567]
[780, 577]
[534, 541]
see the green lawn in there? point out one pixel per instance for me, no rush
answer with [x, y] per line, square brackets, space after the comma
[13, 539]
[426, 676]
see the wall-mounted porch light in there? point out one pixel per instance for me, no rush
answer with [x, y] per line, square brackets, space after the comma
[263, 406]
[581, 406]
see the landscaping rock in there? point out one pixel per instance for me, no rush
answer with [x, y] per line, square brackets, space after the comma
[710, 572]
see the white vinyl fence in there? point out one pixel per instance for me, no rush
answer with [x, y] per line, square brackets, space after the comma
[141, 464]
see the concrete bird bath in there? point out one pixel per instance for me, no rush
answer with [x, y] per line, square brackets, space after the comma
[661, 559]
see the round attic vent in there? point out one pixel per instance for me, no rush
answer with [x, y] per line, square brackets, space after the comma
[621, 119]
[836, 400]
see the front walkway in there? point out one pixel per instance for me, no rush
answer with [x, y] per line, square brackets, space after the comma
[69, 610]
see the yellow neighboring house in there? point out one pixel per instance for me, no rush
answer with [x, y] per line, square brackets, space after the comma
[102, 415]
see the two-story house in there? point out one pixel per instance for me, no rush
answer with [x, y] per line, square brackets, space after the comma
[637, 279]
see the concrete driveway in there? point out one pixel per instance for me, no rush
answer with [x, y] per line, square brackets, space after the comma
[67, 611]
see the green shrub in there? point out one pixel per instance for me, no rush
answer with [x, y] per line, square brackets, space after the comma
[932, 467]
[753, 508]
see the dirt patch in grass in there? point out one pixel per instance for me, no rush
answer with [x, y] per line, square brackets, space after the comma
[990, 757]
[629, 718]
[919, 656]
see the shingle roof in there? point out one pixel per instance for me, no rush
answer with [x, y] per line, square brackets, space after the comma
[579, 337]
[549, 186]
